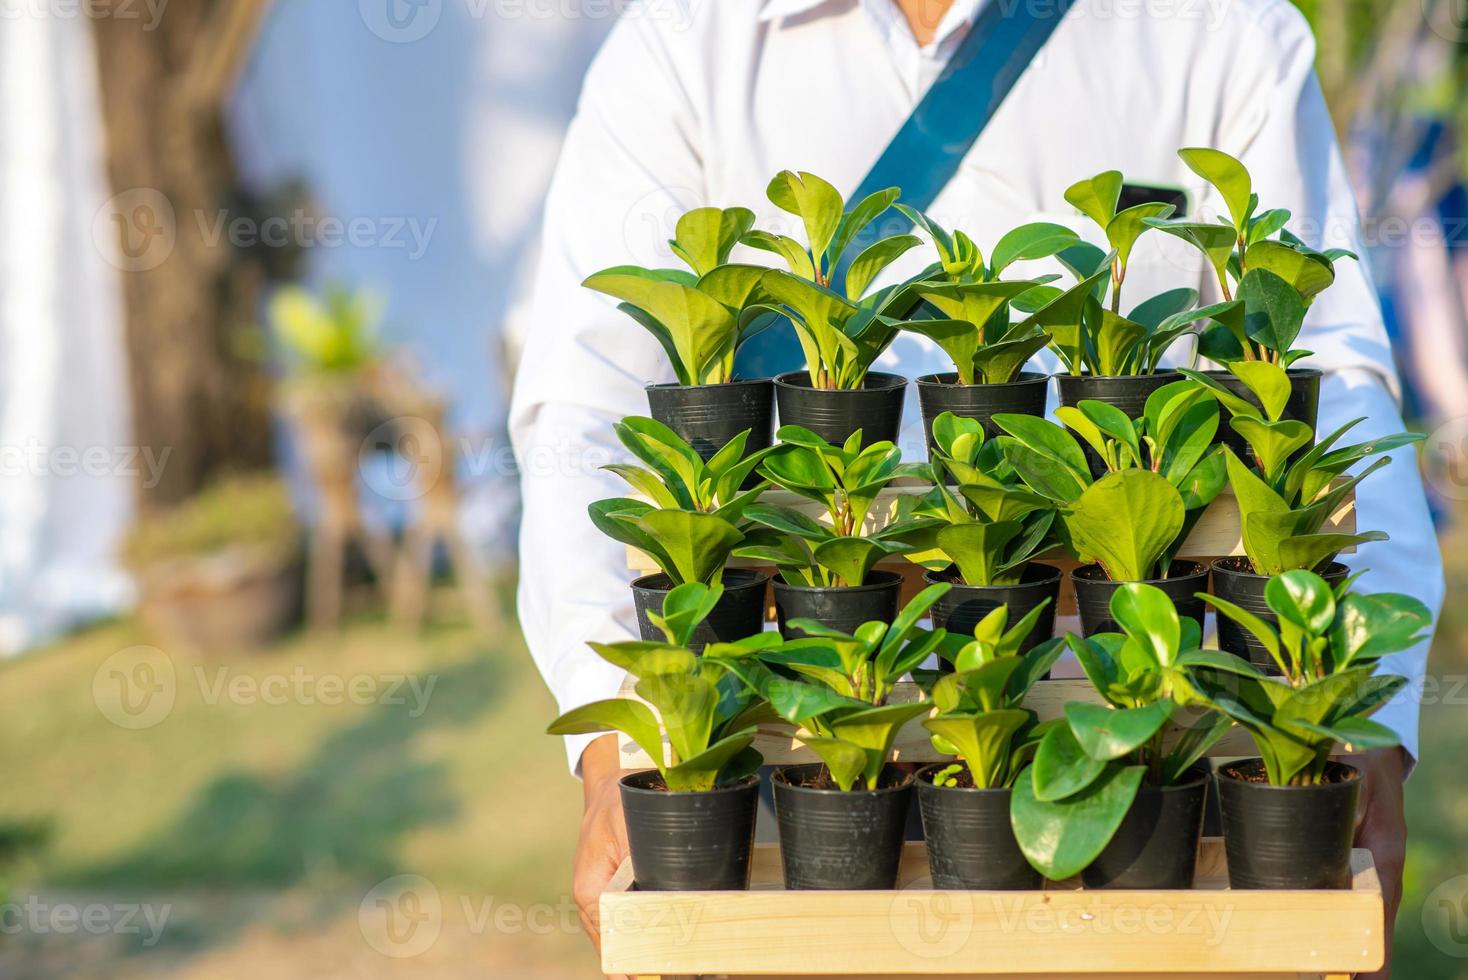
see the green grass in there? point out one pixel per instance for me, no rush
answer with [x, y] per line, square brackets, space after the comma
[289, 813]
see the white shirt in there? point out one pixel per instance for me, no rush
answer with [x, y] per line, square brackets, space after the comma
[701, 104]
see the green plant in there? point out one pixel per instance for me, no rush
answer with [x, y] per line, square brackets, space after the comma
[1091, 339]
[840, 333]
[1277, 278]
[978, 336]
[1161, 475]
[1327, 645]
[336, 334]
[700, 317]
[981, 718]
[249, 511]
[692, 517]
[1098, 198]
[839, 701]
[1285, 499]
[845, 481]
[985, 521]
[707, 714]
[1086, 772]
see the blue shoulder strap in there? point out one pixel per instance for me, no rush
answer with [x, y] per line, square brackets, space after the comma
[924, 155]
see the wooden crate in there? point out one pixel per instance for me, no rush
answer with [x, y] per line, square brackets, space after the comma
[1061, 931]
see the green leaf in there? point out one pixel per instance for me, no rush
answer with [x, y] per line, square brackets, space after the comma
[700, 329]
[1309, 273]
[869, 209]
[1123, 231]
[684, 608]
[1148, 616]
[1303, 599]
[1097, 197]
[959, 339]
[1269, 383]
[1273, 310]
[1062, 767]
[1355, 734]
[1311, 551]
[697, 545]
[1110, 733]
[704, 770]
[1227, 175]
[845, 761]
[1262, 631]
[1061, 838]
[1372, 626]
[1038, 240]
[815, 201]
[851, 558]
[794, 254]
[1126, 521]
[983, 741]
[704, 237]
[1055, 466]
[631, 718]
[873, 259]
[978, 549]
[1215, 241]
[1116, 342]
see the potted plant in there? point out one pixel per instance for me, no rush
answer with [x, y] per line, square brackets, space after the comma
[827, 571]
[701, 316]
[981, 719]
[222, 570]
[1106, 356]
[1285, 494]
[841, 821]
[1271, 274]
[1161, 473]
[988, 528]
[689, 520]
[842, 328]
[690, 821]
[1289, 815]
[1116, 792]
[989, 352]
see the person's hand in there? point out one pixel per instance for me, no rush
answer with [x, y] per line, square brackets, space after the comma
[603, 842]
[1381, 828]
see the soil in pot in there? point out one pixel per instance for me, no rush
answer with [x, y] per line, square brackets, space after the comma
[708, 416]
[1303, 406]
[834, 414]
[1156, 845]
[843, 608]
[1129, 393]
[971, 844]
[689, 841]
[1094, 589]
[1288, 836]
[939, 393]
[740, 611]
[842, 840]
[961, 609]
[1235, 581]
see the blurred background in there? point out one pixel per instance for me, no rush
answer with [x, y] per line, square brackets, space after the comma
[262, 268]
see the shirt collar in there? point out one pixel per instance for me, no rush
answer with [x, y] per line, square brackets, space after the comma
[960, 14]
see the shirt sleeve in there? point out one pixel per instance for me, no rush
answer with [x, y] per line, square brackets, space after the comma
[1282, 131]
[629, 166]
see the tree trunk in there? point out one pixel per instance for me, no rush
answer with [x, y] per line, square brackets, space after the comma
[187, 290]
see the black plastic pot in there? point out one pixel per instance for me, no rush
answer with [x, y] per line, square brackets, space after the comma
[740, 611]
[843, 840]
[939, 393]
[843, 608]
[834, 414]
[971, 843]
[1288, 836]
[1156, 845]
[708, 416]
[689, 841]
[961, 608]
[1233, 581]
[1094, 589]
[1303, 405]
[1128, 393]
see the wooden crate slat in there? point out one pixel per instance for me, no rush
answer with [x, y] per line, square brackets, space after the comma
[1063, 930]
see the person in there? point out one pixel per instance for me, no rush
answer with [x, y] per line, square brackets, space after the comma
[702, 104]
